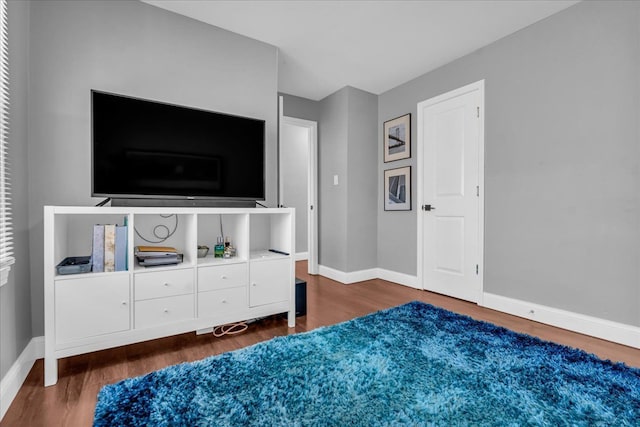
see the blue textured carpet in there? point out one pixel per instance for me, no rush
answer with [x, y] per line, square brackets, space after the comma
[410, 365]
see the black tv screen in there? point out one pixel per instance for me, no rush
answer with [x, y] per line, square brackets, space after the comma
[148, 149]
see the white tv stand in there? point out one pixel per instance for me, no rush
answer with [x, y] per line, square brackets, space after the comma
[94, 311]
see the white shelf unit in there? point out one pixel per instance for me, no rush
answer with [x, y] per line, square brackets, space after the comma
[94, 311]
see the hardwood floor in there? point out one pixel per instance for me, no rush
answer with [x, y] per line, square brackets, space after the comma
[72, 400]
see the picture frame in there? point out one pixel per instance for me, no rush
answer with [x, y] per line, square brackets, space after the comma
[397, 189]
[397, 138]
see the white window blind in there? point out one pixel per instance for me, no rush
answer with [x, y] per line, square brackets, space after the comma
[6, 239]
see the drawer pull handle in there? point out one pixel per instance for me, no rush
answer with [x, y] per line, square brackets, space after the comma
[254, 284]
[224, 301]
[166, 310]
[166, 284]
[223, 277]
[124, 303]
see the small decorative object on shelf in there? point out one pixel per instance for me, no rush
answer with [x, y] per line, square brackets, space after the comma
[202, 251]
[74, 265]
[218, 251]
[229, 251]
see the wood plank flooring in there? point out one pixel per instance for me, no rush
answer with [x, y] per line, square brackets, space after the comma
[72, 400]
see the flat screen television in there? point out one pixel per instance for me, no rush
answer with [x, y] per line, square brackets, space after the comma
[155, 150]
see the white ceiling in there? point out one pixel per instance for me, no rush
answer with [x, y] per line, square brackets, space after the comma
[371, 45]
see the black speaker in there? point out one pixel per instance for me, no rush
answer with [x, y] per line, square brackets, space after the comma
[301, 297]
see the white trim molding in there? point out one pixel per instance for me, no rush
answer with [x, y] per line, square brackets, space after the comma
[400, 278]
[347, 278]
[600, 328]
[301, 256]
[15, 376]
[312, 184]
[588, 325]
[370, 274]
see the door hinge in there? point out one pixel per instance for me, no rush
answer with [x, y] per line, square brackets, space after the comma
[478, 112]
[476, 269]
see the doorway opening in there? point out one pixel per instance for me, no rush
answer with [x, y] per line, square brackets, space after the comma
[297, 152]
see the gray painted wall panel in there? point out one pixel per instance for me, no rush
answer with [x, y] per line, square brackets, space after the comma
[561, 167]
[362, 190]
[15, 303]
[347, 212]
[136, 49]
[301, 108]
[332, 199]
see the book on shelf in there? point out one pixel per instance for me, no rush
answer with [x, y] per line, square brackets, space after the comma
[121, 248]
[153, 251]
[97, 253]
[157, 255]
[159, 260]
[109, 247]
[164, 260]
[156, 249]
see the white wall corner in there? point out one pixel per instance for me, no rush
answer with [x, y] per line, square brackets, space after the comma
[15, 376]
[593, 326]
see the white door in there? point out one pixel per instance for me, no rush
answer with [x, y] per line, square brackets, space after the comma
[450, 176]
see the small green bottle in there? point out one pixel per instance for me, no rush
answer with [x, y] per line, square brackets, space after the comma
[218, 250]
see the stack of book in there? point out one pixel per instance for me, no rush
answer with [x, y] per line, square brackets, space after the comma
[109, 251]
[149, 256]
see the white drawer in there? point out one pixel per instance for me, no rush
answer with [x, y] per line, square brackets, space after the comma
[159, 311]
[224, 301]
[222, 277]
[163, 284]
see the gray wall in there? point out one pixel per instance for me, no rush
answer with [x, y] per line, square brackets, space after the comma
[562, 166]
[348, 148]
[332, 199]
[362, 182]
[301, 108]
[15, 304]
[294, 167]
[136, 49]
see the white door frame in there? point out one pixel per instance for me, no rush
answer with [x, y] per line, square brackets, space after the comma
[312, 188]
[479, 86]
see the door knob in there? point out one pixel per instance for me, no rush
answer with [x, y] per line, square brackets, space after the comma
[428, 208]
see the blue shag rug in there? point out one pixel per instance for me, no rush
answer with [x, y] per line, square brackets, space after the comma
[410, 365]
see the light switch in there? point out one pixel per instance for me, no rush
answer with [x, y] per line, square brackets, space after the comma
[335, 179]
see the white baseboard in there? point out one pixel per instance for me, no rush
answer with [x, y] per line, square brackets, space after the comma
[372, 273]
[588, 325]
[400, 278]
[15, 376]
[347, 278]
[593, 326]
[302, 256]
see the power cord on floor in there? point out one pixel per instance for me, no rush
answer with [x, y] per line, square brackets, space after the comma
[230, 329]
